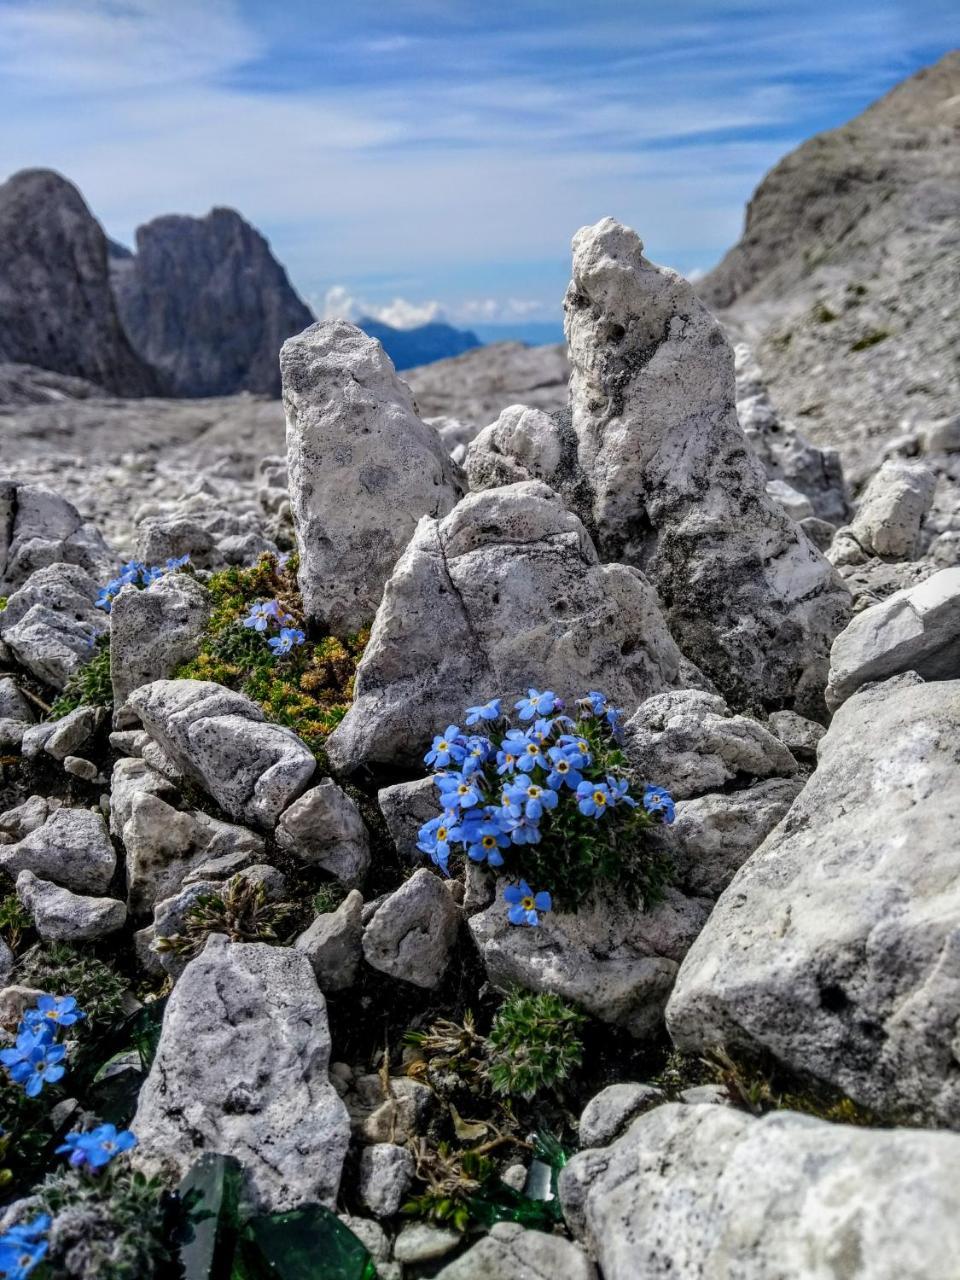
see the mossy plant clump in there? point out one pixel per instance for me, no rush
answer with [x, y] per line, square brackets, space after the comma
[89, 687]
[60, 969]
[308, 689]
[534, 1044]
[241, 911]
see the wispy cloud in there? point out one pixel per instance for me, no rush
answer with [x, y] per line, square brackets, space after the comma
[434, 149]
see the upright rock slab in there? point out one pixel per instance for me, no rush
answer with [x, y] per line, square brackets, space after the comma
[691, 1192]
[252, 769]
[835, 948]
[241, 1069]
[363, 470]
[677, 490]
[504, 593]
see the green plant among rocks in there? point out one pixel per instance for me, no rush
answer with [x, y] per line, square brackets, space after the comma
[534, 1044]
[62, 969]
[306, 686]
[16, 923]
[89, 687]
[241, 911]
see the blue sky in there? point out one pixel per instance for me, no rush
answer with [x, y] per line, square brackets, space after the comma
[410, 155]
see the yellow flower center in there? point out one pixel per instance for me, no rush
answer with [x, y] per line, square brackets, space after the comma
[599, 798]
[488, 842]
[462, 789]
[562, 766]
[442, 746]
[527, 904]
[533, 792]
[533, 749]
[442, 833]
[582, 748]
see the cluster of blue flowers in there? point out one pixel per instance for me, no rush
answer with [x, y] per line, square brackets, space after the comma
[495, 795]
[98, 1147]
[23, 1248]
[264, 616]
[37, 1057]
[136, 574]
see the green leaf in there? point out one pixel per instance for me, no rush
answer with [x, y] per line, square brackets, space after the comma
[210, 1196]
[305, 1244]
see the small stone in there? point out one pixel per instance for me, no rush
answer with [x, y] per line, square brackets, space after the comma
[511, 1250]
[323, 828]
[27, 816]
[400, 1117]
[421, 1242]
[891, 511]
[62, 916]
[72, 848]
[332, 944]
[386, 1172]
[80, 768]
[35, 738]
[406, 806]
[798, 734]
[413, 932]
[797, 505]
[705, 1095]
[70, 733]
[13, 705]
[609, 1112]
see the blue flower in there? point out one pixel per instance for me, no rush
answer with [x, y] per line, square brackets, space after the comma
[564, 768]
[28, 1039]
[448, 748]
[151, 575]
[53, 1012]
[434, 839]
[593, 798]
[525, 904]
[478, 752]
[286, 640]
[659, 800]
[484, 836]
[177, 562]
[578, 747]
[594, 703]
[21, 1250]
[459, 790]
[528, 798]
[620, 791]
[130, 572]
[529, 754]
[98, 1147]
[261, 615]
[488, 711]
[541, 731]
[536, 704]
[512, 747]
[520, 829]
[37, 1066]
[614, 721]
[104, 600]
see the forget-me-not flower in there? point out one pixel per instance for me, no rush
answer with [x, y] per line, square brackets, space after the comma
[536, 704]
[593, 798]
[22, 1249]
[51, 1012]
[459, 790]
[448, 748]
[524, 904]
[564, 768]
[487, 711]
[528, 798]
[98, 1147]
[286, 640]
[659, 800]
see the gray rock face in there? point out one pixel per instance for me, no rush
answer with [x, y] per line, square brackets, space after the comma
[799, 735]
[153, 631]
[363, 470]
[206, 303]
[523, 444]
[56, 308]
[507, 587]
[688, 742]
[615, 961]
[675, 486]
[891, 511]
[714, 835]
[43, 529]
[324, 829]
[220, 739]
[406, 806]
[62, 916]
[833, 947]
[917, 629]
[413, 932]
[788, 457]
[332, 944]
[609, 1112]
[672, 1198]
[386, 1171]
[512, 1250]
[50, 623]
[242, 1067]
[71, 847]
[70, 733]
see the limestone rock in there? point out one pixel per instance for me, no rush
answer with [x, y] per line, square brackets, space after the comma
[27, 816]
[892, 508]
[324, 829]
[483, 603]
[523, 444]
[677, 489]
[713, 835]
[50, 623]
[13, 705]
[917, 629]
[691, 1192]
[175, 534]
[386, 1172]
[153, 631]
[833, 948]
[406, 806]
[62, 916]
[798, 734]
[363, 470]
[242, 1067]
[615, 961]
[609, 1112]
[57, 310]
[72, 731]
[796, 504]
[332, 944]
[220, 739]
[515, 1251]
[688, 742]
[71, 847]
[206, 303]
[412, 934]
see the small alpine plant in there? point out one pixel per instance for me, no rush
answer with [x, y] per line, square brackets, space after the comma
[548, 799]
[135, 573]
[36, 1058]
